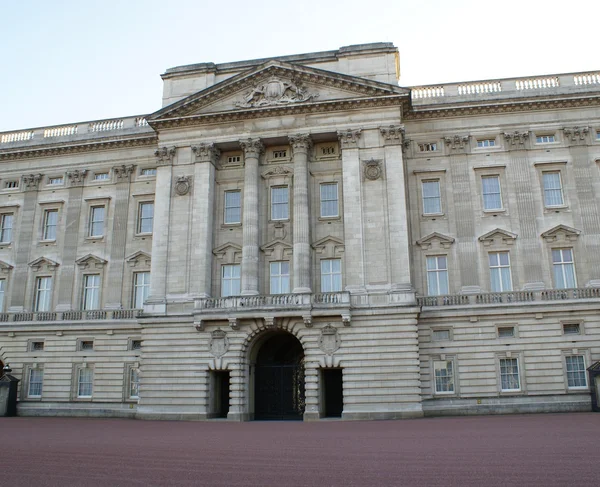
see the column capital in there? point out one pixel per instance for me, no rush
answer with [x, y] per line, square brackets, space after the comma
[31, 182]
[457, 143]
[165, 155]
[349, 138]
[123, 172]
[77, 177]
[300, 142]
[577, 135]
[393, 134]
[516, 139]
[206, 152]
[252, 147]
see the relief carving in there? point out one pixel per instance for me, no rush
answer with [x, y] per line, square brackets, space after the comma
[457, 142]
[515, 138]
[329, 341]
[32, 181]
[219, 343]
[275, 91]
[372, 169]
[77, 176]
[165, 155]
[349, 138]
[182, 185]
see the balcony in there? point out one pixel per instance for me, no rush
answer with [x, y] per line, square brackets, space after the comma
[90, 315]
[272, 302]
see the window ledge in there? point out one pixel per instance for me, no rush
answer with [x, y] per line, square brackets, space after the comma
[5, 244]
[232, 225]
[94, 239]
[554, 209]
[329, 218]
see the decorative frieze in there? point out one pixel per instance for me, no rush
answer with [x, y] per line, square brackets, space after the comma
[349, 138]
[516, 139]
[372, 169]
[206, 153]
[457, 142]
[77, 177]
[183, 185]
[31, 182]
[165, 155]
[277, 171]
[275, 91]
[123, 172]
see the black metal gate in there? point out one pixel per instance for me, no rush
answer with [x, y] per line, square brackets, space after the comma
[279, 392]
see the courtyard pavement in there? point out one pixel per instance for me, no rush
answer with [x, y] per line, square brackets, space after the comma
[524, 450]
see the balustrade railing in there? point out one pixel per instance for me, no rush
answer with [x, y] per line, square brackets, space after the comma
[75, 315]
[241, 303]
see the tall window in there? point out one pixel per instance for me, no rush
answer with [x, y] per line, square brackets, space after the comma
[553, 195]
[233, 206]
[36, 378]
[134, 383]
[2, 291]
[6, 225]
[437, 275]
[280, 277]
[576, 374]
[96, 221]
[50, 222]
[501, 280]
[43, 294]
[230, 280]
[492, 199]
[91, 291]
[146, 217]
[509, 374]
[432, 200]
[280, 203]
[331, 275]
[564, 269]
[85, 381]
[329, 200]
[141, 288]
[444, 376]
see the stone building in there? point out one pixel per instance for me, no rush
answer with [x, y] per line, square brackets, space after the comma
[302, 237]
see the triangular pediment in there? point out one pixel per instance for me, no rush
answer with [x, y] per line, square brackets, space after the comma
[498, 235]
[139, 257]
[90, 261]
[561, 232]
[329, 240]
[5, 266]
[329, 246]
[278, 249]
[229, 251]
[276, 84]
[435, 238]
[43, 263]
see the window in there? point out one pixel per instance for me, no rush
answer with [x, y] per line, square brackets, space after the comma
[148, 171]
[331, 275]
[428, 147]
[432, 200]
[440, 335]
[576, 374]
[280, 154]
[50, 223]
[100, 176]
[486, 143]
[135, 344]
[329, 200]
[36, 346]
[91, 291]
[85, 379]
[85, 345]
[96, 221]
[492, 199]
[553, 195]
[500, 277]
[564, 269]
[280, 277]
[230, 281]
[55, 181]
[437, 275]
[233, 206]
[234, 159]
[11, 184]
[2, 291]
[444, 376]
[509, 374]
[571, 329]
[134, 383]
[145, 217]
[36, 378]
[598, 135]
[141, 288]
[6, 226]
[506, 332]
[279, 203]
[545, 139]
[43, 294]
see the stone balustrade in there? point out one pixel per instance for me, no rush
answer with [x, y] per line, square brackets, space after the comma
[273, 302]
[90, 315]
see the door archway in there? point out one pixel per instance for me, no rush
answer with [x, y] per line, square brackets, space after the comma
[279, 379]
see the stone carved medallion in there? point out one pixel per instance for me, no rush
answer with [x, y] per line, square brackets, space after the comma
[329, 342]
[275, 91]
[219, 343]
[182, 185]
[372, 169]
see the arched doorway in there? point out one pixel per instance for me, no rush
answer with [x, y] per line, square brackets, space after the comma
[279, 379]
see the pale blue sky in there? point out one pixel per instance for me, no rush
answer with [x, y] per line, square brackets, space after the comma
[69, 61]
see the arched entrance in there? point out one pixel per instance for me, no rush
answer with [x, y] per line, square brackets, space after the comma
[279, 379]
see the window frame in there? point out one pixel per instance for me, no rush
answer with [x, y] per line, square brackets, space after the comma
[562, 264]
[434, 389]
[484, 145]
[103, 179]
[141, 219]
[47, 226]
[437, 270]
[231, 279]
[238, 221]
[285, 204]
[52, 181]
[520, 388]
[279, 277]
[326, 201]
[425, 181]
[92, 222]
[77, 369]
[324, 276]
[583, 371]
[148, 172]
[499, 266]
[26, 388]
[545, 138]
[92, 291]
[135, 286]
[46, 292]
[2, 293]
[560, 189]
[30, 382]
[4, 229]
[484, 194]
[128, 382]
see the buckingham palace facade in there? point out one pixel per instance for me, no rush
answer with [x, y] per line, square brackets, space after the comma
[301, 238]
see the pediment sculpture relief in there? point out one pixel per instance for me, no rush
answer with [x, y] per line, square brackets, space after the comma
[275, 91]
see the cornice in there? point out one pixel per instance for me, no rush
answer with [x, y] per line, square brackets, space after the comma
[76, 148]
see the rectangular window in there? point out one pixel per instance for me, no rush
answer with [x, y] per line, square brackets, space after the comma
[135, 345]
[331, 275]
[501, 280]
[50, 223]
[91, 291]
[280, 203]
[553, 194]
[36, 346]
[55, 181]
[329, 200]
[11, 184]
[506, 331]
[134, 383]
[149, 171]
[432, 200]
[2, 291]
[85, 381]
[100, 176]
[576, 373]
[428, 147]
[141, 289]
[492, 199]
[43, 294]
[36, 378]
[280, 277]
[146, 217]
[233, 206]
[545, 139]
[564, 269]
[437, 275]
[96, 221]
[509, 374]
[444, 376]
[486, 143]
[231, 280]
[86, 345]
[571, 329]
[6, 226]
[440, 335]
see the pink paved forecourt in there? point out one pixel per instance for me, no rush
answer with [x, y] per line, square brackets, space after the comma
[525, 450]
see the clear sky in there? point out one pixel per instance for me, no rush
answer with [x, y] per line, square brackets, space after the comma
[66, 61]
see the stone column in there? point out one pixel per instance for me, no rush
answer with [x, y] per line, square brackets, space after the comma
[312, 409]
[156, 302]
[353, 217]
[114, 287]
[252, 148]
[69, 249]
[301, 217]
[207, 156]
